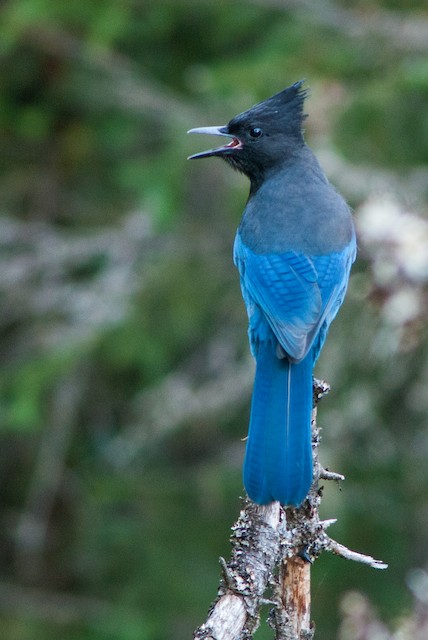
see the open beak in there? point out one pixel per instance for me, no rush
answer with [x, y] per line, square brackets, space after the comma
[219, 151]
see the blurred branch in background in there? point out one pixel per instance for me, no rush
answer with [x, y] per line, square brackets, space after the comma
[400, 31]
[125, 374]
[396, 242]
[120, 81]
[361, 622]
[181, 398]
[72, 285]
[47, 477]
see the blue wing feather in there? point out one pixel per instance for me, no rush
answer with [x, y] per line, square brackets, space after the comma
[295, 293]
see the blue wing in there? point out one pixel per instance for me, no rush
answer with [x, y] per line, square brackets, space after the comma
[298, 295]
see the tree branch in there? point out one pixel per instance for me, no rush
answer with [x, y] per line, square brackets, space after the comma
[255, 552]
[273, 548]
[344, 552]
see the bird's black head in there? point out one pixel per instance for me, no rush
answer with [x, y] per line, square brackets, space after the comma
[263, 136]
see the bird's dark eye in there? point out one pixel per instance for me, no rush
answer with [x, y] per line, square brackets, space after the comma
[256, 132]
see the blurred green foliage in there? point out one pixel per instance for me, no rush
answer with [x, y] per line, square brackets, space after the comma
[120, 459]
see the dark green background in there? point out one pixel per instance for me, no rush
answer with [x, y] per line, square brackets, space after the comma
[125, 376]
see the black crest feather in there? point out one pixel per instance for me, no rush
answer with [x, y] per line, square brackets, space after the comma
[285, 109]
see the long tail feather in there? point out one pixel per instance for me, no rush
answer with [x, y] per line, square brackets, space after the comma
[278, 459]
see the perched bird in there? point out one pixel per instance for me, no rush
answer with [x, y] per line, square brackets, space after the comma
[294, 249]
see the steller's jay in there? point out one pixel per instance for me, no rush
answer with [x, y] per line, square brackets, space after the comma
[294, 249]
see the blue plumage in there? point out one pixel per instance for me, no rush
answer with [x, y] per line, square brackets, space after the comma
[294, 249]
[291, 300]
